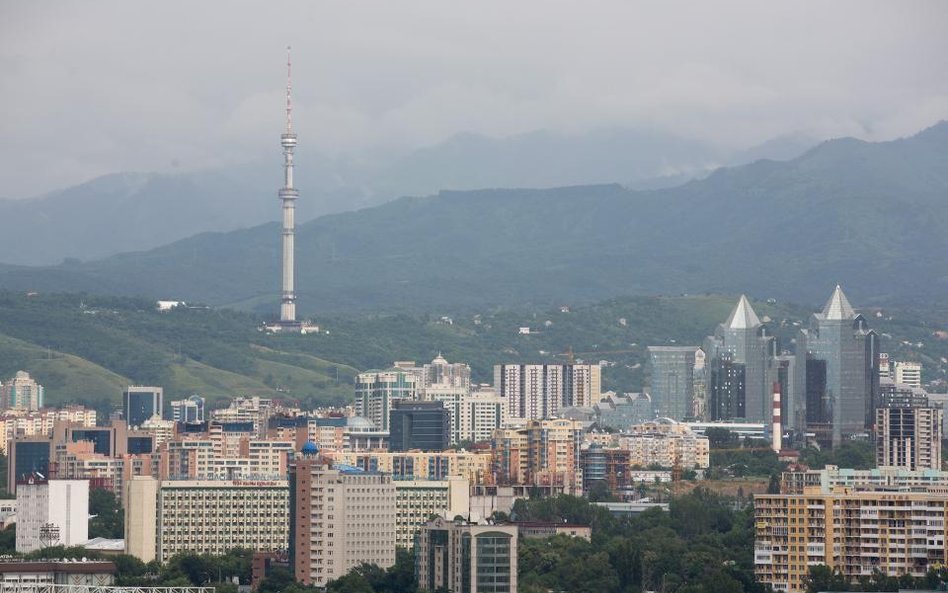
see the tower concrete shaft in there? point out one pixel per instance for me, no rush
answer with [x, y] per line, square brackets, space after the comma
[288, 195]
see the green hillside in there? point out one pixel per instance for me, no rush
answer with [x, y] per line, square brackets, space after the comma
[869, 215]
[86, 349]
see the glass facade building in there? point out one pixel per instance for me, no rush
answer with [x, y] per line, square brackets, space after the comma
[425, 426]
[839, 356]
[671, 369]
[141, 403]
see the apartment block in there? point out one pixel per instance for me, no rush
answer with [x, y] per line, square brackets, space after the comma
[540, 391]
[542, 453]
[666, 443]
[856, 532]
[340, 517]
[474, 466]
[832, 477]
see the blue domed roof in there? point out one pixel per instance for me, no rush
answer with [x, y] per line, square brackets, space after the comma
[310, 448]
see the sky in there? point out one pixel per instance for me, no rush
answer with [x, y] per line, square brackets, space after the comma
[95, 87]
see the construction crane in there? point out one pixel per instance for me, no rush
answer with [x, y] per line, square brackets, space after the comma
[571, 356]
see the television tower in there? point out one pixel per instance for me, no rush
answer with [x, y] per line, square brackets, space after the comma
[288, 195]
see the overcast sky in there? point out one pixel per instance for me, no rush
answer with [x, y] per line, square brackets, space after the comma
[94, 87]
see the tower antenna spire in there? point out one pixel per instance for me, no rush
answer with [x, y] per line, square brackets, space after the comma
[289, 89]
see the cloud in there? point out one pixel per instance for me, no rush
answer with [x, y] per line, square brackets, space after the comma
[104, 86]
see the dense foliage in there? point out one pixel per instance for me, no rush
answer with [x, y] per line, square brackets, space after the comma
[107, 517]
[823, 578]
[852, 454]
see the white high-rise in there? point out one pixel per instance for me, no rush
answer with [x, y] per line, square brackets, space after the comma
[51, 513]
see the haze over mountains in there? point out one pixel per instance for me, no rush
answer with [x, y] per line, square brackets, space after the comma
[869, 215]
[137, 211]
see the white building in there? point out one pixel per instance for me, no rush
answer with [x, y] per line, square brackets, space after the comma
[51, 513]
[539, 391]
[908, 373]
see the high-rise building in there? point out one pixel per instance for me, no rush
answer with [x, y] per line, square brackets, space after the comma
[837, 358]
[188, 410]
[425, 426]
[376, 390]
[885, 366]
[466, 558]
[854, 532]
[539, 391]
[543, 453]
[51, 513]
[725, 388]
[741, 340]
[908, 373]
[139, 403]
[416, 501]
[908, 429]
[340, 517]
[22, 392]
[671, 372]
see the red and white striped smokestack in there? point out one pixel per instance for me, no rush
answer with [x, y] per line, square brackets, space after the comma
[777, 428]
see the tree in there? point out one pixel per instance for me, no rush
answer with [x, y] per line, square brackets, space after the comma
[107, 517]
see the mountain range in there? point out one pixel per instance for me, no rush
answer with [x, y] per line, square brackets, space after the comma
[869, 215]
[137, 211]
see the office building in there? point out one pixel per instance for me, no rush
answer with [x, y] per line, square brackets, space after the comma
[908, 432]
[540, 391]
[425, 426]
[21, 393]
[837, 358]
[908, 373]
[738, 367]
[466, 558]
[51, 513]
[376, 390]
[620, 412]
[340, 517]
[855, 533]
[139, 403]
[188, 410]
[671, 373]
[27, 456]
[416, 501]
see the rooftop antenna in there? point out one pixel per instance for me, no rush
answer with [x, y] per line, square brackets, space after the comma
[289, 89]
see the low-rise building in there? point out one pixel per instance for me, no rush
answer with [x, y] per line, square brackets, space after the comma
[474, 466]
[832, 477]
[538, 529]
[87, 573]
[666, 443]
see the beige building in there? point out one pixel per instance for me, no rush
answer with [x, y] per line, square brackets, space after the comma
[543, 453]
[205, 516]
[340, 517]
[416, 501]
[666, 443]
[466, 558]
[908, 373]
[856, 532]
[890, 478]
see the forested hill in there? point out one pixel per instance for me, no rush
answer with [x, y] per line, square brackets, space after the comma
[871, 216]
[87, 349]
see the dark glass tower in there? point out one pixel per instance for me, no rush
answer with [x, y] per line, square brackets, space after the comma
[419, 425]
[743, 338]
[839, 357]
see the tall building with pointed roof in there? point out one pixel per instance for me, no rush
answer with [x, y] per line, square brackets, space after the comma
[837, 362]
[741, 345]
